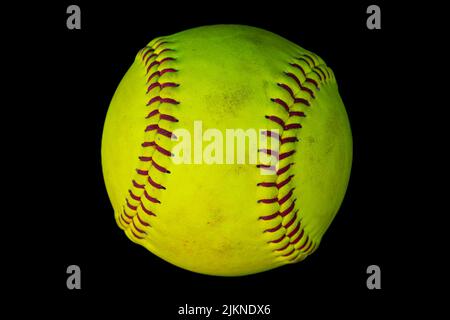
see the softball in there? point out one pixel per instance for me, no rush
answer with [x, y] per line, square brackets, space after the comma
[226, 150]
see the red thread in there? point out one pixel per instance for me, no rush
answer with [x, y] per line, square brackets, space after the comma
[273, 200]
[292, 126]
[147, 52]
[288, 210]
[162, 100]
[289, 253]
[142, 221]
[146, 211]
[159, 73]
[284, 247]
[278, 240]
[271, 134]
[151, 114]
[129, 205]
[284, 155]
[286, 197]
[281, 103]
[273, 229]
[276, 120]
[139, 230]
[284, 169]
[137, 236]
[154, 184]
[302, 88]
[293, 232]
[298, 237]
[150, 198]
[288, 140]
[137, 185]
[133, 196]
[161, 85]
[142, 172]
[269, 217]
[159, 63]
[125, 213]
[284, 182]
[294, 217]
[303, 245]
[168, 118]
[314, 82]
[160, 168]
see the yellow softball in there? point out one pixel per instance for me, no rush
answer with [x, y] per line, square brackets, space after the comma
[226, 150]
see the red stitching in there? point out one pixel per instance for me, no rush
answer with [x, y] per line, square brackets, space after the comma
[289, 253]
[168, 118]
[281, 103]
[285, 181]
[125, 213]
[161, 43]
[159, 73]
[319, 75]
[271, 134]
[269, 152]
[146, 211]
[142, 221]
[294, 217]
[139, 230]
[137, 236]
[273, 229]
[160, 130]
[150, 198]
[293, 232]
[288, 140]
[147, 52]
[162, 100]
[276, 120]
[284, 155]
[278, 240]
[296, 114]
[269, 217]
[137, 185]
[154, 184]
[129, 205]
[286, 197]
[306, 61]
[314, 82]
[297, 66]
[284, 169]
[165, 50]
[151, 114]
[142, 172]
[266, 167]
[159, 168]
[272, 200]
[122, 221]
[302, 88]
[159, 63]
[303, 245]
[298, 237]
[284, 247]
[288, 210]
[147, 55]
[162, 85]
[292, 126]
[133, 196]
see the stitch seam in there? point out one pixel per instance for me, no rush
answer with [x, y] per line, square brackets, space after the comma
[287, 245]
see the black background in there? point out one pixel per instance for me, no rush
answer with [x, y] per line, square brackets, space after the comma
[78, 72]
